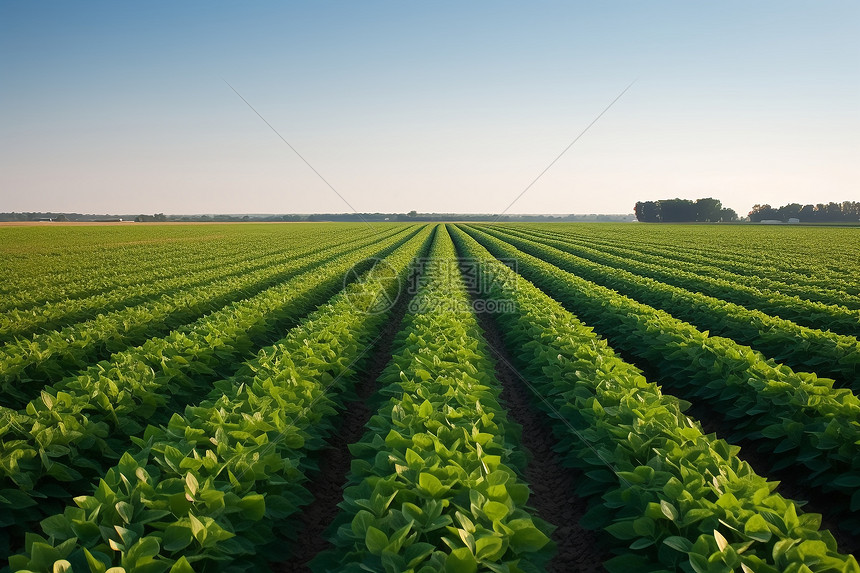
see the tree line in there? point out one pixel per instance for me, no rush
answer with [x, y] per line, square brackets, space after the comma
[845, 212]
[707, 210]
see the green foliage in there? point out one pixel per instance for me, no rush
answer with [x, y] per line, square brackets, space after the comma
[434, 483]
[666, 491]
[26, 365]
[797, 415]
[208, 485]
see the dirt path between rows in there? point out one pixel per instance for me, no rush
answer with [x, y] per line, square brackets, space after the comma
[552, 485]
[326, 486]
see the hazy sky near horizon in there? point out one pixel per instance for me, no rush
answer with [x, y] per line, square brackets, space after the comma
[120, 107]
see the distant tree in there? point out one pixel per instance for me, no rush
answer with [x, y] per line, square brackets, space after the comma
[412, 214]
[728, 215]
[792, 210]
[833, 212]
[763, 212]
[806, 213]
[647, 211]
[61, 218]
[851, 210]
[708, 210]
[159, 217]
[677, 211]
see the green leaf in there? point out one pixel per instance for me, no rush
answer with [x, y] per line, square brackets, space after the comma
[191, 484]
[362, 520]
[847, 481]
[426, 409]
[757, 528]
[641, 543]
[495, 510]
[182, 566]
[461, 560]
[96, 565]
[677, 543]
[668, 510]
[145, 548]
[177, 537]
[125, 510]
[375, 540]
[488, 548]
[431, 484]
[57, 527]
[526, 537]
[253, 506]
[198, 530]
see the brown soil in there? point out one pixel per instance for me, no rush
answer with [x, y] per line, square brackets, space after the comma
[552, 485]
[327, 484]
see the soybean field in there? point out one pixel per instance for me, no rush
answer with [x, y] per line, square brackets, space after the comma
[423, 397]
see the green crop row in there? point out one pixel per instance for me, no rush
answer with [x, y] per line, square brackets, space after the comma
[68, 435]
[822, 352]
[432, 487]
[21, 323]
[672, 494]
[835, 317]
[51, 265]
[27, 365]
[796, 415]
[209, 491]
[705, 267]
[823, 257]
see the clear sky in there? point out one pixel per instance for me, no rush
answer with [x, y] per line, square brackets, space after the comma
[120, 107]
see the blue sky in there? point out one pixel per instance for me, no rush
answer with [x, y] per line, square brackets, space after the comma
[445, 106]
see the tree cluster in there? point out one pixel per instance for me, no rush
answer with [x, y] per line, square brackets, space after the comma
[707, 210]
[846, 212]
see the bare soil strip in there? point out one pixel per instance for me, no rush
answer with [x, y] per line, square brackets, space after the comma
[327, 485]
[552, 485]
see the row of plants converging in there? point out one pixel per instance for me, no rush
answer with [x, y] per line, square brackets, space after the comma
[618, 253]
[149, 291]
[27, 365]
[54, 265]
[73, 431]
[818, 315]
[824, 257]
[673, 497]
[173, 483]
[823, 352]
[212, 490]
[434, 483]
[797, 416]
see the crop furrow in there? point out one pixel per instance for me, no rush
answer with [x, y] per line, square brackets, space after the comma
[665, 490]
[214, 486]
[27, 365]
[73, 431]
[52, 316]
[433, 484]
[796, 416]
[802, 348]
[608, 253]
[816, 315]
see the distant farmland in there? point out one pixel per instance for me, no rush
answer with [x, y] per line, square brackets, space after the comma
[429, 397]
